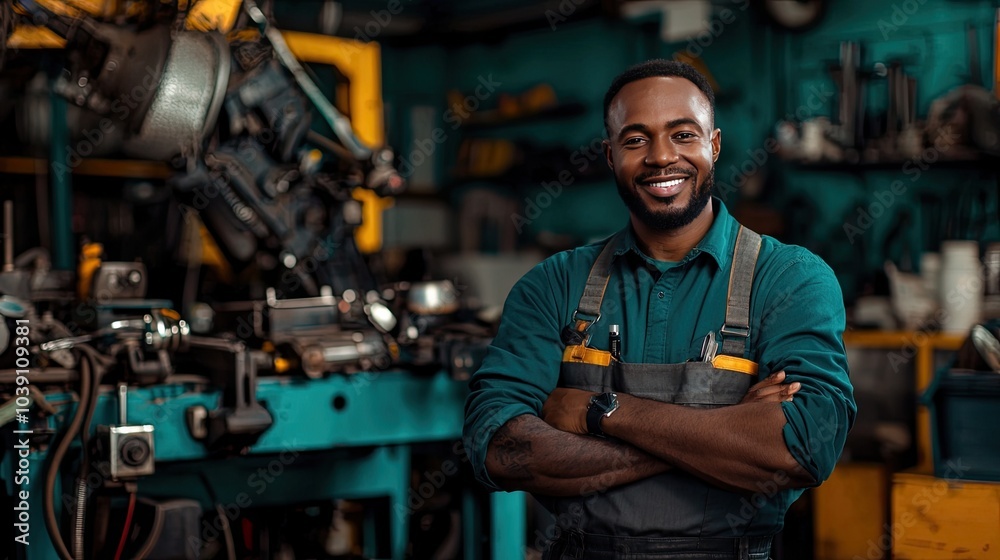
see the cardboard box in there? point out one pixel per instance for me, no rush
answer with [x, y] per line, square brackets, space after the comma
[944, 519]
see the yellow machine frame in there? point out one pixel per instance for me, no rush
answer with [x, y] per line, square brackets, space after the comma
[359, 62]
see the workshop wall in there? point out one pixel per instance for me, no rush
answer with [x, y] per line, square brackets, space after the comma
[929, 38]
[577, 59]
[764, 75]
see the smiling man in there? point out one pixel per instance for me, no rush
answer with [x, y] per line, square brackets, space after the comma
[666, 393]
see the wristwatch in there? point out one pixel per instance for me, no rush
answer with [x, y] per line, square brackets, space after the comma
[602, 405]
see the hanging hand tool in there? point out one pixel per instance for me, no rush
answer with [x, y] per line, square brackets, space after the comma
[709, 348]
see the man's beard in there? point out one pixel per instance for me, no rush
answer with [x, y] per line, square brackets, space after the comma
[665, 219]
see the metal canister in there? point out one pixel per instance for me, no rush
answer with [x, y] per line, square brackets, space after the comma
[991, 262]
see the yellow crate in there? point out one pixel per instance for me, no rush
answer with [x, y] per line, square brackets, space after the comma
[850, 513]
[944, 519]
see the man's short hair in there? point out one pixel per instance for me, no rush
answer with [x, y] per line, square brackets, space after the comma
[657, 68]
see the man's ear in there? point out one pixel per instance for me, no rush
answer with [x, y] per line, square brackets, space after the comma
[716, 144]
[607, 153]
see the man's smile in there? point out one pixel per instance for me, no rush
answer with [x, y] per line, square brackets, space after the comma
[664, 186]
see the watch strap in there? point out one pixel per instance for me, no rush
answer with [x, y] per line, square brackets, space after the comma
[594, 415]
[601, 405]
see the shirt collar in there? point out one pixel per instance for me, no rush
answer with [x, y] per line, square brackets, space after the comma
[717, 243]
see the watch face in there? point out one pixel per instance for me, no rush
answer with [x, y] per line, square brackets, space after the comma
[604, 401]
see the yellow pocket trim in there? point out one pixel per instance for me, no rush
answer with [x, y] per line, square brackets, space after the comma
[732, 363]
[580, 354]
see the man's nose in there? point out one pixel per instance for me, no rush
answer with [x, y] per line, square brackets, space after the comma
[661, 153]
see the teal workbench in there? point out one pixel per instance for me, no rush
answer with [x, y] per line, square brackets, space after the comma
[342, 437]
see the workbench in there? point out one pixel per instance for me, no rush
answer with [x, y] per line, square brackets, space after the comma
[341, 437]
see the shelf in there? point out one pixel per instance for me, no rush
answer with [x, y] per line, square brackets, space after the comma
[918, 347]
[493, 119]
[122, 168]
[898, 165]
[520, 182]
[898, 339]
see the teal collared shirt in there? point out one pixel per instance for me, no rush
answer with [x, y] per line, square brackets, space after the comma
[664, 311]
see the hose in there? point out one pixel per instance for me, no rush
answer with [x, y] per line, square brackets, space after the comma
[79, 516]
[56, 457]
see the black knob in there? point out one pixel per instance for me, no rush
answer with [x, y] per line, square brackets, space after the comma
[134, 451]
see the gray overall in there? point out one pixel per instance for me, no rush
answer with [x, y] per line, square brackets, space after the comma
[661, 517]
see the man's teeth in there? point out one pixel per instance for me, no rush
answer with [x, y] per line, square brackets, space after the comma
[666, 184]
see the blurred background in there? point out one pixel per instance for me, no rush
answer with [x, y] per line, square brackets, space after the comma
[253, 251]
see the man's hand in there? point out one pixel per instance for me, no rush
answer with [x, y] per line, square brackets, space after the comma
[771, 390]
[566, 410]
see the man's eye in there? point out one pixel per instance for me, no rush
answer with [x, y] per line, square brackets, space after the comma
[686, 136]
[633, 140]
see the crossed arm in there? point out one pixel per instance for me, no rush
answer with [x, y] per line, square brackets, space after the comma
[733, 447]
[528, 454]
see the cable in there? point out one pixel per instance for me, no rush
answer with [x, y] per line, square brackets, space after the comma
[55, 459]
[128, 525]
[227, 531]
[80, 515]
[330, 146]
[97, 372]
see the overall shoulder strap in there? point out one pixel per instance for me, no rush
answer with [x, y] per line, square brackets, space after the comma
[588, 311]
[736, 329]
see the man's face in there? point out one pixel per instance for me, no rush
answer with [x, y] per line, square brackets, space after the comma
[662, 149]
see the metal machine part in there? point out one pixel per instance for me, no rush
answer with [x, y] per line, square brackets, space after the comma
[987, 345]
[186, 105]
[12, 281]
[324, 334]
[340, 125]
[271, 318]
[341, 352]
[284, 317]
[119, 280]
[240, 420]
[160, 329]
[114, 70]
[151, 94]
[8, 236]
[128, 450]
[438, 297]
[281, 208]
[158, 333]
[462, 356]
[267, 106]
[381, 317]
[11, 309]
[165, 330]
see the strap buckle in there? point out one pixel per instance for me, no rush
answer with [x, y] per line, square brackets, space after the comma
[589, 323]
[730, 330]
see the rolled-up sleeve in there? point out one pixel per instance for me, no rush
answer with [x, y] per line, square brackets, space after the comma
[521, 366]
[801, 332]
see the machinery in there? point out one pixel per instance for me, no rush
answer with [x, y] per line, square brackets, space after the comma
[260, 390]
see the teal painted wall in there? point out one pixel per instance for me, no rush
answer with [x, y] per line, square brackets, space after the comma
[764, 75]
[929, 37]
[577, 59]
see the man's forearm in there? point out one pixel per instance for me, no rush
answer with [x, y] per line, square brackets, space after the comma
[735, 447]
[528, 454]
